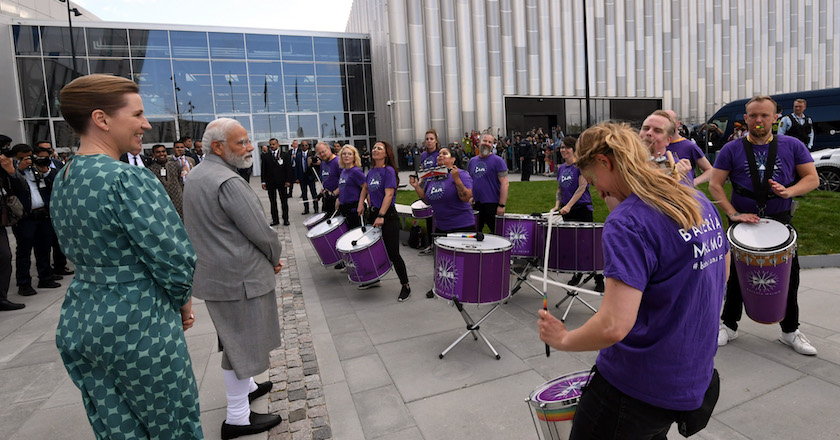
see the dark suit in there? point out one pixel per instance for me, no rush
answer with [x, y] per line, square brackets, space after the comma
[146, 159]
[303, 173]
[14, 185]
[276, 172]
[34, 231]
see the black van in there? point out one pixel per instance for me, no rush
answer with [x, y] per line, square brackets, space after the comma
[823, 107]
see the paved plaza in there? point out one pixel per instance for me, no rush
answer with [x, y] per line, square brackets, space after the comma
[356, 364]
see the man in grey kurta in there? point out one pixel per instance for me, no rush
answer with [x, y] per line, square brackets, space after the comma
[238, 256]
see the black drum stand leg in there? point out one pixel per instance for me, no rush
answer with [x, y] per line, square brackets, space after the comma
[572, 296]
[473, 327]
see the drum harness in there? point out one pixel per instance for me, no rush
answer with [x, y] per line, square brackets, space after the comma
[760, 182]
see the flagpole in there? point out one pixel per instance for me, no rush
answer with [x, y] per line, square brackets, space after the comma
[267, 107]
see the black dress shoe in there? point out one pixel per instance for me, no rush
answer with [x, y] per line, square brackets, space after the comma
[274, 223]
[48, 284]
[259, 423]
[8, 305]
[56, 277]
[262, 388]
[26, 290]
[575, 279]
[285, 223]
[62, 271]
[305, 212]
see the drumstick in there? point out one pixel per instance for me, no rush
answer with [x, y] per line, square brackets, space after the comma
[671, 160]
[545, 273]
[364, 232]
[479, 236]
[565, 286]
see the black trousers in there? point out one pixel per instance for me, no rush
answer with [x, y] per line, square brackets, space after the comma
[33, 232]
[5, 264]
[486, 216]
[303, 186]
[526, 170]
[328, 204]
[733, 304]
[351, 216]
[391, 237]
[59, 259]
[273, 193]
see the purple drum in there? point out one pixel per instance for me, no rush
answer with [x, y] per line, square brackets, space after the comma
[314, 220]
[364, 254]
[575, 247]
[419, 209]
[554, 403]
[324, 236]
[472, 271]
[522, 231]
[763, 254]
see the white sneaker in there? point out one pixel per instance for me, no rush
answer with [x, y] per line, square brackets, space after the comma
[798, 342]
[726, 334]
[427, 251]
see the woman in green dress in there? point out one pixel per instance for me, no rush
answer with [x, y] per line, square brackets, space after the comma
[121, 332]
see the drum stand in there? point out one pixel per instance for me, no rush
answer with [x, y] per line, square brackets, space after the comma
[571, 296]
[472, 327]
[522, 277]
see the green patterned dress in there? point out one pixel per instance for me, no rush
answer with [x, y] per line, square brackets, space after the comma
[120, 333]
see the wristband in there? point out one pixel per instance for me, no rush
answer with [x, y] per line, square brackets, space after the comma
[734, 214]
[380, 215]
[501, 205]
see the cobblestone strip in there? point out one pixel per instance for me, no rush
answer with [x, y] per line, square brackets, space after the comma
[297, 394]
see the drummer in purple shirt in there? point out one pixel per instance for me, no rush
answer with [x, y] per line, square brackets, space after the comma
[350, 185]
[687, 149]
[793, 174]
[656, 358]
[330, 171]
[490, 177]
[380, 189]
[574, 202]
[428, 160]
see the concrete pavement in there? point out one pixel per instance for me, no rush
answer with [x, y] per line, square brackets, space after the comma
[377, 374]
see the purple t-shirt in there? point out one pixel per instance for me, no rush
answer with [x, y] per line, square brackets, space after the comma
[330, 172]
[733, 158]
[377, 180]
[350, 185]
[485, 173]
[667, 358]
[450, 212]
[685, 149]
[428, 160]
[568, 178]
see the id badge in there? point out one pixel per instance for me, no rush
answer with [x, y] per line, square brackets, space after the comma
[163, 172]
[42, 184]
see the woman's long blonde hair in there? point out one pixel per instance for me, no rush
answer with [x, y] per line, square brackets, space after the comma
[631, 158]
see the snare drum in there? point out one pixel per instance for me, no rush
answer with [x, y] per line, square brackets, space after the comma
[763, 254]
[553, 404]
[420, 209]
[366, 260]
[472, 271]
[324, 236]
[575, 246]
[314, 220]
[522, 231]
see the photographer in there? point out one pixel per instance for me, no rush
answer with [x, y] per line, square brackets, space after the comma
[34, 230]
[12, 183]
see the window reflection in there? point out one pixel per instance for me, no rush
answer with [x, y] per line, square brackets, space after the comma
[356, 87]
[230, 83]
[193, 91]
[334, 125]
[368, 87]
[262, 47]
[33, 94]
[56, 41]
[193, 125]
[331, 87]
[149, 43]
[372, 124]
[303, 126]
[36, 130]
[266, 87]
[296, 48]
[267, 126]
[65, 136]
[27, 40]
[111, 66]
[353, 50]
[107, 42]
[155, 80]
[329, 49]
[227, 46]
[359, 124]
[59, 72]
[188, 44]
[299, 85]
[163, 130]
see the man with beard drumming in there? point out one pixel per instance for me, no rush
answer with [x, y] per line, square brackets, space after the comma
[490, 183]
[238, 256]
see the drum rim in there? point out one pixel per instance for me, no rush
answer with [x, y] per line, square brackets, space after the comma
[518, 216]
[537, 391]
[335, 226]
[476, 250]
[434, 290]
[791, 241]
[587, 225]
[419, 209]
[320, 215]
[357, 248]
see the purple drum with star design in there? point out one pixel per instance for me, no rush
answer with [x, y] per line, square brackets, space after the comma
[324, 236]
[311, 222]
[472, 271]
[522, 231]
[554, 403]
[763, 254]
[364, 254]
[575, 246]
[419, 209]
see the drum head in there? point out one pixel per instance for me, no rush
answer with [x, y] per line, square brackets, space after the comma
[516, 217]
[324, 227]
[314, 219]
[561, 392]
[418, 205]
[363, 240]
[491, 243]
[766, 235]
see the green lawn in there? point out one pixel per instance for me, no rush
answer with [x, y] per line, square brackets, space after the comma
[815, 219]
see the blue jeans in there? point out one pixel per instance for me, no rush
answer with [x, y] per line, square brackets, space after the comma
[604, 413]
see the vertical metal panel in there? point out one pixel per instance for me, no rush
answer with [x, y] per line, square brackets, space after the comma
[465, 50]
[519, 47]
[434, 65]
[417, 68]
[451, 66]
[556, 45]
[508, 51]
[544, 35]
[494, 54]
[482, 89]
[400, 74]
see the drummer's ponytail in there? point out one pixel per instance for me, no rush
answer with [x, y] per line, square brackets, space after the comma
[632, 159]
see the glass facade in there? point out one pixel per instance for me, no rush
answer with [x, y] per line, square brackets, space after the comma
[282, 86]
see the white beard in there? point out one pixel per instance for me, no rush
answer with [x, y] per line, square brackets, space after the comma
[238, 161]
